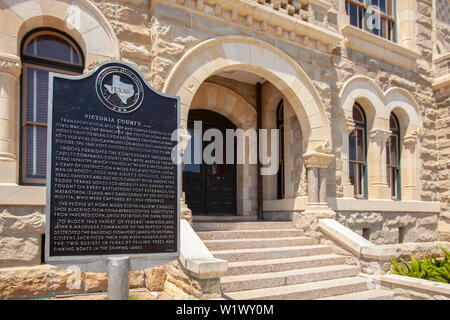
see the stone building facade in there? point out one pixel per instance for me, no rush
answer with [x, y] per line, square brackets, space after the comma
[306, 54]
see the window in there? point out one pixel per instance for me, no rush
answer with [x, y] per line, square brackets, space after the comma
[42, 52]
[355, 10]
[280, 173]
[357, 153]
[361, 11]
[393, 158]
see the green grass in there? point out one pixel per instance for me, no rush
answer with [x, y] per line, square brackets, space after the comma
[133, 297]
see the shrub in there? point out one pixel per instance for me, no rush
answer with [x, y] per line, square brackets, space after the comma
[430, 269]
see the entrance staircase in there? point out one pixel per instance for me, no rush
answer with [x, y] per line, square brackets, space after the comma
[274, 260]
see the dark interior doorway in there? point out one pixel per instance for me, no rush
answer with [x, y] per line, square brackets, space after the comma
[209, 189]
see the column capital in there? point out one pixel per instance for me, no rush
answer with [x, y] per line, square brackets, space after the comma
[317, 159]
[10, 64]
[347, 117]
[413, 136]
[380, 134]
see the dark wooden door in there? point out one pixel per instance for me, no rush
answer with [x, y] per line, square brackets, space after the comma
[210, 189]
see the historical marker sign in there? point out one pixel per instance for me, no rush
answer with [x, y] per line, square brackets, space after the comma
[112, 187]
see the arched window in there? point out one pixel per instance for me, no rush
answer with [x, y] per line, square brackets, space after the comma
[42, 51]
[393, 158]
[357, 153]
[280, 173]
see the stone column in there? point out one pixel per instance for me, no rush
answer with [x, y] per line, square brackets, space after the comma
[378, 186]
[317, 165]
[10, 69]
[408, 168]
[313, 185]
[323, 186]
[316, 208]
[347, 117]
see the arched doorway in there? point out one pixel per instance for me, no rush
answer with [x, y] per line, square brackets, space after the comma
[210, 189]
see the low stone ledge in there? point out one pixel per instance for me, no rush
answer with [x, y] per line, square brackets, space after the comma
[195, 256]
[413, 288]
[205, 268]
[373, 258]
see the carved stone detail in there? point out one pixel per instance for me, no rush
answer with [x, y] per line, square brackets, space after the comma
[10, 64]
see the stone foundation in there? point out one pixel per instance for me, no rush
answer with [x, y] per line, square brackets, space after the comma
[46, 280]
[181, 286]
[390, 227]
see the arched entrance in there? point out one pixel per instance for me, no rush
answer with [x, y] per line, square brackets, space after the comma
[210, 189]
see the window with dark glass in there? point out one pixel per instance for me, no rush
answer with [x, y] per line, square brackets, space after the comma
[355, 10]
[393, 158]
[280, 173]
[42, 52]
[361, 12]
[357, 152]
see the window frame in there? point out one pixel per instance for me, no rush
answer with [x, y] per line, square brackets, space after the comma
[391, 167]
[45, 64]
[281, 188]
[358, 164]
[386, 19]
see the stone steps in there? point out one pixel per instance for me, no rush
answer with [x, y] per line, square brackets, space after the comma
[304, 291]
[277, 265]
[363, 295]
[270, 253]
[291, 277]
[228, 226]
[274, 260]
[229, 244]
[250, 234]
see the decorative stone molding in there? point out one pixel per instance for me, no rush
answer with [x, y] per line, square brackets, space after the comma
[378, 47]
[317, 159]
[410, 140]
[10, 64]
[347, 117]
[418, 132]
[324, 148]
[278, 20]
[380, 135]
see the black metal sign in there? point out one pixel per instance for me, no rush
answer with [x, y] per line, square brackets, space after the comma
[112, 187]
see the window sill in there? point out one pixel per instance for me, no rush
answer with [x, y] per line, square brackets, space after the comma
[380, 48]
[17, 195]
[351, 204]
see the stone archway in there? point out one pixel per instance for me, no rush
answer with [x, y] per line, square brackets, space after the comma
[255, 56]
[233, 106]
[378, 105]
[81, 19]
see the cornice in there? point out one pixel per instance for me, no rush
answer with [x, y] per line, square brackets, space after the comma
[263, 19]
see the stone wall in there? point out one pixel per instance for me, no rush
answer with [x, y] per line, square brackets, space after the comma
[130, 20]
[392, 228]
[21, 230]
[443, 125]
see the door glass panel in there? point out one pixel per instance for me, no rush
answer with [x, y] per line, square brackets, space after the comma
[192, 148]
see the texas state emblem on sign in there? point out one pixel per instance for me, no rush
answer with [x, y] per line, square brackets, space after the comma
[120, 89]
